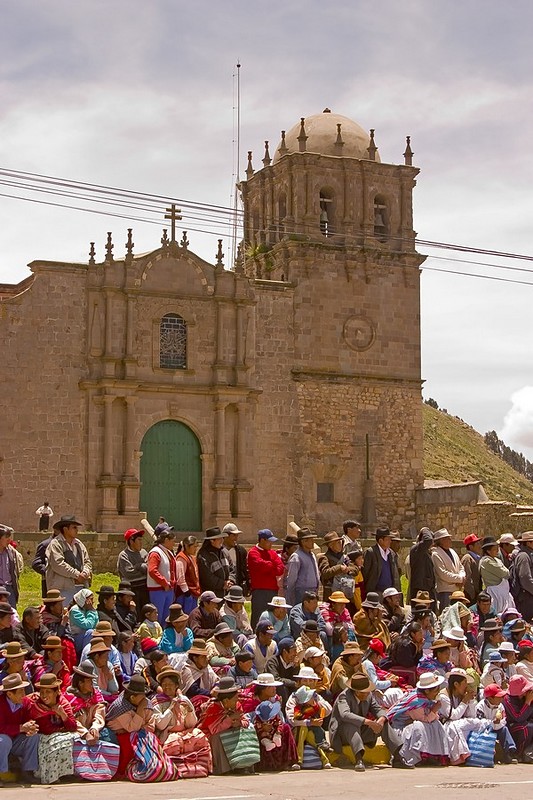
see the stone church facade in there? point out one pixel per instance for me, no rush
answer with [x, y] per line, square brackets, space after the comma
[288, 384]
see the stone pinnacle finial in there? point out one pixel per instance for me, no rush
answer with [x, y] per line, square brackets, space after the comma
[282, 149]
[165, 240]
[184, 243]
[92, 253]
[109, 249]
[239, 259]
[339, 144]
[220, 255]
[408, 155]
[302, 136]
[249, 168]
[266, 159]
[129, 247]
[372, 149]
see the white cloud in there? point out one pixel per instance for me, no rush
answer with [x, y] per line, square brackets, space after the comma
[517, 431]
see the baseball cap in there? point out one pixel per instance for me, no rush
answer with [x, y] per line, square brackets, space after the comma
[209, 597]
[268, 535]
[472, 538]
[493, 690]
[131, 532]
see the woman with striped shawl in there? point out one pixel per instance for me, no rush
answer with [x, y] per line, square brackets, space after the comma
[131, 717]
[416, 715]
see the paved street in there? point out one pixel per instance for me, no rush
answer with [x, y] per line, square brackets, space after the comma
[501, 783]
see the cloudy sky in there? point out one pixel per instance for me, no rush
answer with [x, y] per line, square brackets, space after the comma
[140, 95]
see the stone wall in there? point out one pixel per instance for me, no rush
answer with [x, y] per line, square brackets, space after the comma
[103, 547]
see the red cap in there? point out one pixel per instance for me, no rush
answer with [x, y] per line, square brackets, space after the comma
[377, 646]
[493, 690]
[472, 538]
[132, 532]
[147, 645]
[525, 643]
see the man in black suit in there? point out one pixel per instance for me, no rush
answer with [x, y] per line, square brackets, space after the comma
[380, 567]
[237, 557]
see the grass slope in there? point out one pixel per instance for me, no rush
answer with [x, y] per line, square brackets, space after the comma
[454, 451]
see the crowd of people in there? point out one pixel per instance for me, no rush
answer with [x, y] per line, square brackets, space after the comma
[168, 676]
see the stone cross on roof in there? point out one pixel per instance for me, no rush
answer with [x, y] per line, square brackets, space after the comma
[173, 214]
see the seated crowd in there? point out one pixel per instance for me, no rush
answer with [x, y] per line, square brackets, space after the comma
[168, 676]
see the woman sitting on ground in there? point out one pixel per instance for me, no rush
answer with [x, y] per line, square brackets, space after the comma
[53, 661]
[222, 717]
[83, 617]
[57, 725]
[458, 714]
[95, 756]
[55, 617]
[176, 728]
[128, 659]
[14, 663]
[388, 686]
[106, 678]
[335, 612]
[177, 637]
[518, 705]
[131, 717]
[222, 649]
[234, 614]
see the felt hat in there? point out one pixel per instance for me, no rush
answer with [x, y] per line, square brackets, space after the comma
[278, 602]
[472, 538]
[222, 629]
[442, 533]
[507, 538]
[459, 596]
[133, 533]
[5, 608]
[137, 685]
[52, 596]
[53, 643]
[4, 592]
[455, 633]
[440, 644]
[213, 533]
[291, 539]
[527, 536]
[361, 683]
[305, 533]
[176, 614]
[169, 672]
[13, 650]
[493, 690]
[332, 536]
[64, 521]
[352, 649]
[307, 673]
[235, 595]
[493, 624]
[103, 628]
[48, 681]
[267, 679]
[304, 694]
[488, 541]
[209, 597]
[372, 600]
[517, 625]
[198, 648]
[13, 682]
[422, 599]
[124, 587]
[86, 669]
[430, 680]
[106, 591]
[226, 685]
[518, 685]
[338, 597]
[495, 657]
[310, 625]
[98, 647]
[230, 528]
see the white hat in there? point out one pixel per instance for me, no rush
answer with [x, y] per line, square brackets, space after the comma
[267, 679]
[430, 680]
[313, 652]
[390, 592]
[308, 673]
[230, 528]
[507, 538]
[507, 647]
[442, 533]
[278, 602]
[454, 633]
[458, 671]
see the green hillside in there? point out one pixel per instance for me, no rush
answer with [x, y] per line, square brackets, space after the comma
[454, 451]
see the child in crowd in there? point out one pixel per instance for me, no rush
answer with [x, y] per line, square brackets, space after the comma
[493, 671]
[509, 653]
[149, 627]
[128, 659]
[306, 711]
[491, 708]
[339, 637]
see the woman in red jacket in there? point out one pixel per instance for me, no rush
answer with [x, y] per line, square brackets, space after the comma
[57, 725]
[264, 568]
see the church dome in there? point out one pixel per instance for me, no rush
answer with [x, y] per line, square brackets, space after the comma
[321, 131]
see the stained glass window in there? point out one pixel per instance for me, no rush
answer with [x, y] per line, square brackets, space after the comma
[173, 342]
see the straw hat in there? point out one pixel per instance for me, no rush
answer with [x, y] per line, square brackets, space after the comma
[456, 634]
[459, 595]
[267, 679]
[278, 602]
[308, 674]
[351, 649]
[440, 644]
[422, 599]
[338, 597]
[429, 680]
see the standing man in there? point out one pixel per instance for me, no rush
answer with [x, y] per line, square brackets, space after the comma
[264, 568]
[449, 572]
[507, 544]
[380, 567]
[132, 566]
[352, 533]
[68, 566]
[421, 569]
[470, 562]
[45, 514]
[522, 576]
[302, 568]
[161, 577]
[237, 557]
[331, 563]
[213, 564]
[39, 562]
[10, 565]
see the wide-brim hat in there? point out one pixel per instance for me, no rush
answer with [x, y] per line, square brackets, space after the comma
[527, 536]
[352, 649]
[235, 595]
[517, 625]
[137, 685]
[489, 542]
[169, 672]
[198, 648]
[85, 669]
[107, 591]
[65, 520]
[5, 609]
[391, 592]
[48, 681]
[52, 596]
[266, 679]
[222, 629]
[332, 536]
[518, 685]
[278, 602]
[372, 600]
[440, 644]
[422, 599]
[13, 650]
[52, 643]
[430, 680]
[338, 597]
[496, 657]
[308, 674]
[459, 595]
[98, 647]
[361, 683]
[213, 533]
[305, 533]
[455, 633]
[442, 533]
[491, 625]
[290, 539]
[226, 685]
[507, 538]
[11, 683]
[103, 628]
[124, 587]
[176, 614]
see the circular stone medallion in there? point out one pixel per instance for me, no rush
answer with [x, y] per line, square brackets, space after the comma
[359, 333]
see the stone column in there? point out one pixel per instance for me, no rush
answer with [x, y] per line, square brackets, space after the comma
[220, 462]
[129, 443]
[108, 435]
[243, 487]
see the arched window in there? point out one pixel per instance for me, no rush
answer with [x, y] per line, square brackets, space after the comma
[326, 212]
[173, 342]
[381, 218]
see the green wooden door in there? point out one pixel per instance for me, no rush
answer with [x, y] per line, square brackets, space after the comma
[171, 476]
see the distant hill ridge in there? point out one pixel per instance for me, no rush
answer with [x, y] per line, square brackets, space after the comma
[455, 452]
